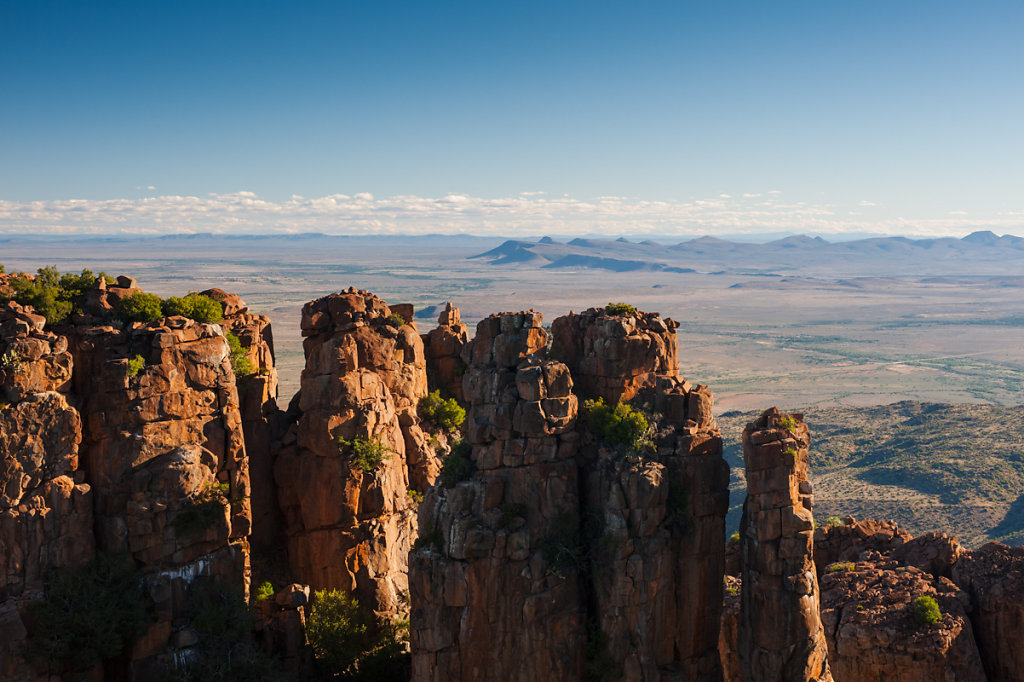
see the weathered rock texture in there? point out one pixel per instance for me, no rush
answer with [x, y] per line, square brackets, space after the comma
[729, 634]
[866, 608]
[165, 455]
[615, 355]
[45, 508]
[780, 635]
[261, 418]
[347, 527]
[444, 344]
[494, 586]
[850, 540]
[993, 576]
[614, 558]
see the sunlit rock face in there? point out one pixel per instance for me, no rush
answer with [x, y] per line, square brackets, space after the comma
[350, 525]
[557, 555]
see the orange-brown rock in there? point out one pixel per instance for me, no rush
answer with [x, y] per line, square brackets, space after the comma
[993, 576]
[615, 355]
[350, 526]
[638, 537]
[866, 609]
[852, 539]
[781, 638]
[31, 360]
[164, 453]
[494, 582]
[262, 421]
[935, 553]
[729, 634]
[281, 624]
[46, 519]
[444, 345]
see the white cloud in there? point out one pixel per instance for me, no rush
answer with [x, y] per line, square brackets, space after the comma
[865, 202]
[524, 213]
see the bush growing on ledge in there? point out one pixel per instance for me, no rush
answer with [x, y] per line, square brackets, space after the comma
[364, 454]
[620, 309]
[458, 464]
[833, 521]
[445, 414]
[837, 568]
[395, 320]
[139, 307]
[264, 591]
[12, 362]
[240, 362]
[202, 511]
[788, 422]
[619, 426]
[88, 615]
[344, 646]
[135, 365]
[926, 610]
[194, 306]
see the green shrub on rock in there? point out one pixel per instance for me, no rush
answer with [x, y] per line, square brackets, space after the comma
[445, 414]
[195, 307]
[619, 426]
[88, 615]
[926, 610]
[139, 307]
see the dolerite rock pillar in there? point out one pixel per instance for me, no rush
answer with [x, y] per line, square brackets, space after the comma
[350, 523]
[781, 638]
[657, 517]
[444, 344]
[494, 581]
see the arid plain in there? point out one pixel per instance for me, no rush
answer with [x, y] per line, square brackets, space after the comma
[813, 331]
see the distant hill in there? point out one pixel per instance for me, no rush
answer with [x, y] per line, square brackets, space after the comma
[980, 253]
[929, 466]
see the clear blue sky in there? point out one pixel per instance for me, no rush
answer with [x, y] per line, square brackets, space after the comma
[879, 110]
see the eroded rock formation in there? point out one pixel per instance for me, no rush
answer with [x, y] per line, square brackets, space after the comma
[867, 609]
[46, 514]
[993, 576]
[349, 517]
[781, 638]
[560, 556]
[851, 539]
[444, 345]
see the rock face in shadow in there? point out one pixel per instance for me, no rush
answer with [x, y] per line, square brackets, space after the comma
[494, 578]
[867, 609]
[356, 450]
[993, 576]
[444, 344]
[558, 556]
[262, 421]
[780, 634]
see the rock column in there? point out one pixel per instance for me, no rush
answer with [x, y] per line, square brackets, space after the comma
[781, 638]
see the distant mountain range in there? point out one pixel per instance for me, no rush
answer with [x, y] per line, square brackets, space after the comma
[979, 253]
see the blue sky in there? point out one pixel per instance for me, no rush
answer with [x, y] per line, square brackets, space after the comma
[592, 116]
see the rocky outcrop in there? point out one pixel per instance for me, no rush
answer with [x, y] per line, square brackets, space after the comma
[495, 579]
[780, 634]
[262, 421]
[444, 344]
[561, 556]
[728, 636]
[852, 539]
[356, 450]
[993, 576]
[935, 553]
[45, 507]
[615, 355]
[867, 611]
[164, 453]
